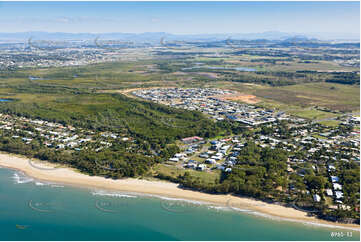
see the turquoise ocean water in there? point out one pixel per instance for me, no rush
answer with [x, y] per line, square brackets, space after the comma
[33, 210]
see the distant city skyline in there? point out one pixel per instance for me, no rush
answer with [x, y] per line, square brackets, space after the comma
[181, 17]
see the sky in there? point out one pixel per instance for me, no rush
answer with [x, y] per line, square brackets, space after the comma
[181, 17]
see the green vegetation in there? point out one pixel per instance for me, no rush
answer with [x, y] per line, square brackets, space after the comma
[311, 114]
[88, 98]
[330, 123]
[258, 173]
[332, 96]
[170, 172]
[152, 128]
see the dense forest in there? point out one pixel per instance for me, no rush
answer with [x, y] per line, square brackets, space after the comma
[151, 126]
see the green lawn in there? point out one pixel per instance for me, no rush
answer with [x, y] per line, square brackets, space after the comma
[330, 123]
[207, 177]
[312, 114]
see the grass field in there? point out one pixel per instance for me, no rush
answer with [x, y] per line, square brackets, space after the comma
[330, 123]
[333, 96]
[142, 74]
[172, 171]
[311, 114]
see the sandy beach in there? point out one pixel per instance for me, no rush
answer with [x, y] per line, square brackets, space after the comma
[44, 171]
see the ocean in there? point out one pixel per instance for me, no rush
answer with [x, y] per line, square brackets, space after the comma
[36, 210]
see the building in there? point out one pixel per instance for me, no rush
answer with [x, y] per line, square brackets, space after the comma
[337, 186]
[316, 198]
[193, 139]
[329, 192]
[339, 194]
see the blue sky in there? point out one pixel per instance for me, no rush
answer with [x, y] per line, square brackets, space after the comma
[181, 17]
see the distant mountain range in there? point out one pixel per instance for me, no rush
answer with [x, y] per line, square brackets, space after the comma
[156, 36]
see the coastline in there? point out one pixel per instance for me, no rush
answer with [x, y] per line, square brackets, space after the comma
[68, 176]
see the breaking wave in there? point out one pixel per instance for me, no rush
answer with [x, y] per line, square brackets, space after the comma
[112, 194]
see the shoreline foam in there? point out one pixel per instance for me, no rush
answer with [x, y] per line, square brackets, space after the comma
[166, 190]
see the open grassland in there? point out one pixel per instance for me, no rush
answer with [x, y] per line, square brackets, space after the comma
[109, 77]
[312, 114]
[283, 63]
[333, 96]
[302, 100]
[329, 95]
[330, 123]
[94, 76]
[174, 172]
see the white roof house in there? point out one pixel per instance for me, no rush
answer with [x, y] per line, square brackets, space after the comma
[179, 155]
[331, 168]
[201, 167]
[329, 192]
[339, 194]
[337, 186]
[316, 198]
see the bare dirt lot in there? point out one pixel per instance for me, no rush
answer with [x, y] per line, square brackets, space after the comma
[246, 98]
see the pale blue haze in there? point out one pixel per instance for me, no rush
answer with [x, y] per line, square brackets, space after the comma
[181, 17]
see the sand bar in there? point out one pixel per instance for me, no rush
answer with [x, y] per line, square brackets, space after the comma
[63, 175]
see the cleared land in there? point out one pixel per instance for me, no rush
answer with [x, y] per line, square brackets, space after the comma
[329, 95]
[246, 98]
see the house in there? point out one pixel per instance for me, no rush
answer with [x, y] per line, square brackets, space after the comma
[204, 155]
[337, 186]
[189, 151]
[331, 168]
[316, 198]
[216, 146]
[180, 156]
[191, 165]
[190, 140]
[72, 144]
[226, 147]
[334, 179]
[218, 156]
[339, 194]
[215, 157]
[201, 167]
[210, 161]
[329, 192]
[233, 158]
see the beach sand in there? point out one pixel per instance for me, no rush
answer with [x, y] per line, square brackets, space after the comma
[63, 175]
